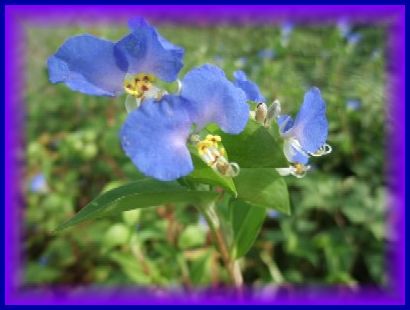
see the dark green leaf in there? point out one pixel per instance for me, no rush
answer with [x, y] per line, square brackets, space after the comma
[255, 147]
[263, 187]
[139, 194]
[246, 222]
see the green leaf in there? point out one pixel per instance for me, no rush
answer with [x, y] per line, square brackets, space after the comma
[247, 221]
[139, 194]
[263, 187]
[205, 174]
[254, 147]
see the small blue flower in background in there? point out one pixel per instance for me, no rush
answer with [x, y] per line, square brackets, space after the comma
[286, 30]
[345, 30]
[95, 66]
[344, 27]
[155, 136]
[306, 135]
[353, 104]
[267, 53]
[249, 87]
[38, 184]
[43, 260]
[354, 38]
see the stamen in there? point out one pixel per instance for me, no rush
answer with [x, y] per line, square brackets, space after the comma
[214, 156]
[323, 150]
[137, 85]
[298, 170]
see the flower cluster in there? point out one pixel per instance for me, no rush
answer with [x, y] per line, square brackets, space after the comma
[304, 136]
[162, 129]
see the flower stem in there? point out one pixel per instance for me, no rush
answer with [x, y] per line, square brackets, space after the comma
[230, 263]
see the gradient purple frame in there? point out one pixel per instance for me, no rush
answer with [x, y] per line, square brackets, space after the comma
[18, 17]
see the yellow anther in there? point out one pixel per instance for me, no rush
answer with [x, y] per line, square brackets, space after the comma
[299, 168]
[214, 139]
[137, 84]
[203, 146]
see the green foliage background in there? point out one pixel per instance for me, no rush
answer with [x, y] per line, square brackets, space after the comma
[336, 234]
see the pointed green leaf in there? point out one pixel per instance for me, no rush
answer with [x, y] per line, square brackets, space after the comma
[139, 194]
[255, 147]
[247, 221]
[263, 187]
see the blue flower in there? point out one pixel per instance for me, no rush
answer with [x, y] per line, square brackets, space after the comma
[286, 30]
[95, 66]
[267, 53]
[344, 27]
[306, 135]
[353, 104]
[354, 38]
[155, 136]
[38, 184]
[250, 88]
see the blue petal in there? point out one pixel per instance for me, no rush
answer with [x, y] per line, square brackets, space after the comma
[154, 136]
[250, 88]
[293, 155]
[89, 65]
[148, 52]
[310, 127]
[214, 99]
[285, 122]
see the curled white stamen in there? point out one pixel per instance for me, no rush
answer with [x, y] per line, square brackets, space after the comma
[323, 150]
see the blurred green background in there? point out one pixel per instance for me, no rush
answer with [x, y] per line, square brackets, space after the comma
[336, 234]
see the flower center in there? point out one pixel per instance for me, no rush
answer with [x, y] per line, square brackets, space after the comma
[138, 84]
[214, 156]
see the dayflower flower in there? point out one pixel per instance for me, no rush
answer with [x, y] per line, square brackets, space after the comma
[38, 184]
[306, 135]
[286, 30]
[353, 104]
[303, 137]
[267, 53]
[156, 135]
[99, 67]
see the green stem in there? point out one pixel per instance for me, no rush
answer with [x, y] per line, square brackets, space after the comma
[230, 263]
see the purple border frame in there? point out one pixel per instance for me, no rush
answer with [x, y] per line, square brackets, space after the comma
[19, 16]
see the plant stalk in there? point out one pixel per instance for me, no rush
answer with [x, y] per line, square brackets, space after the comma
[230, 263]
